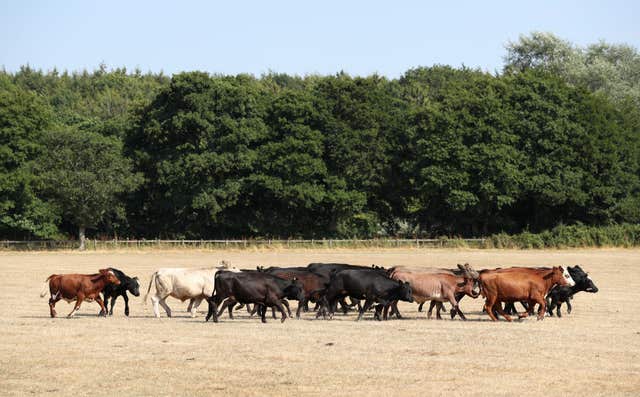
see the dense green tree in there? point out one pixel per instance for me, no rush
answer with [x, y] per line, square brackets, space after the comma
[24, 116]
[195, 144]
[84, 174]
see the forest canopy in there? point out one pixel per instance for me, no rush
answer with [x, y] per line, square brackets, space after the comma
[552, 139]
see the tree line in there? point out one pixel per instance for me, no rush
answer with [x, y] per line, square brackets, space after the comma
[552, 139]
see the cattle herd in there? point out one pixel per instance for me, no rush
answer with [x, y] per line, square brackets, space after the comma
[331, 287]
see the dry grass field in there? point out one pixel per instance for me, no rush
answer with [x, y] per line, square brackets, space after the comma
[593, 351]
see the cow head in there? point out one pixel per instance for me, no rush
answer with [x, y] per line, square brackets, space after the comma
[468, 271]
[404, 291]
[561, 276]
[470, 286]
[109, 276]
[133, 286]
[582, 280]
[294, 290]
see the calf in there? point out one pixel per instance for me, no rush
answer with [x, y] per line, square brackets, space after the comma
[114, 291]
[373, 286]
[520, 284]
[560, 294]
[252, 287]
[78, 288]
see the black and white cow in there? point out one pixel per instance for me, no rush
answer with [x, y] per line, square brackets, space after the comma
[561, 294]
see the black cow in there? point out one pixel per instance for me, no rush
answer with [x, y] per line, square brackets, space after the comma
[252, 287]
[373, 286]
[313, 283]
[114, 291]
[327, 269]
[560, 294]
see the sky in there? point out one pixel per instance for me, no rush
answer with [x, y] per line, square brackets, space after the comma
[294, 37]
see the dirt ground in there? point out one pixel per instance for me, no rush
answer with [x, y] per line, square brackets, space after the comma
[593, 351]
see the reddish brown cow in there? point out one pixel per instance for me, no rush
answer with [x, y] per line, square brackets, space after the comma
[520, 284]
[78, 288]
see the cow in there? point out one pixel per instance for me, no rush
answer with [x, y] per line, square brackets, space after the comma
[183, 284]
[258, 288]
[520, 284]
[114, 291]
[367, 284]
[444, 286]
[326, 269]
[78, 288]
[560, 294]
[313, 283]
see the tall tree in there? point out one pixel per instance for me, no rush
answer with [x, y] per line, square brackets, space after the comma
[23, 118]
[612, 69]
[85, 174]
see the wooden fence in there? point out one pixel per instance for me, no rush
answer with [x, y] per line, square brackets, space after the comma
[240, 244]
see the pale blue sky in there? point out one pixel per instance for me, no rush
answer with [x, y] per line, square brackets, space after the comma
[295, 37]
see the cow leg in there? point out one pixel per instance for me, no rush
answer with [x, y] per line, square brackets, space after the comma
[488, 307]
[213, 302]
[558, 311]
[263, 313]
[254, 310]
[113, 302]
[285, 303]
[432, 304]
[502, 313]
[543, 305]
[126, 303]
[420, 306]
[551, 304]
[166, 307]
[155, 299]
[569, 305]
[103, 308]
[378, 311]
[231, 305]
[224, 306]
[194, 308]
[190, 306]
[52, 303]
[280, 305]
[301, 305]
[106, 303]
[79, 300]
[367, 306]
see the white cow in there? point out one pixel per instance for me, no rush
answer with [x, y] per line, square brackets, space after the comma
[183, 284]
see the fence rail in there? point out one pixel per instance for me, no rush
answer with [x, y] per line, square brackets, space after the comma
[238, 244]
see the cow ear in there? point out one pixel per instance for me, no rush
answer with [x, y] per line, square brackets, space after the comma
[136, 278]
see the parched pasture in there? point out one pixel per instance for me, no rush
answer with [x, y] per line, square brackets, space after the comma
[593, 351]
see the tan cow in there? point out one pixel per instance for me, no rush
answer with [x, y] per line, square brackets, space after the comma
[440, 285]
[183, 284]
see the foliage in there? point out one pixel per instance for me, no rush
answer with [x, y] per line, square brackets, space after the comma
[84, 173]
[549, 144]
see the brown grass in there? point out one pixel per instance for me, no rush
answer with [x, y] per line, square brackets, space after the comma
[593, 351]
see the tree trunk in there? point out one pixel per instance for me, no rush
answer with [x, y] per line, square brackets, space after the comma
[82, 238]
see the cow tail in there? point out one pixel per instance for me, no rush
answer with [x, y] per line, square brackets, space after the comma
[43, 292]
[153, 277]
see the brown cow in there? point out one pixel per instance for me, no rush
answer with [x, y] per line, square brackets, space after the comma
[78, 288]
[520, 284]
[439, 286]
